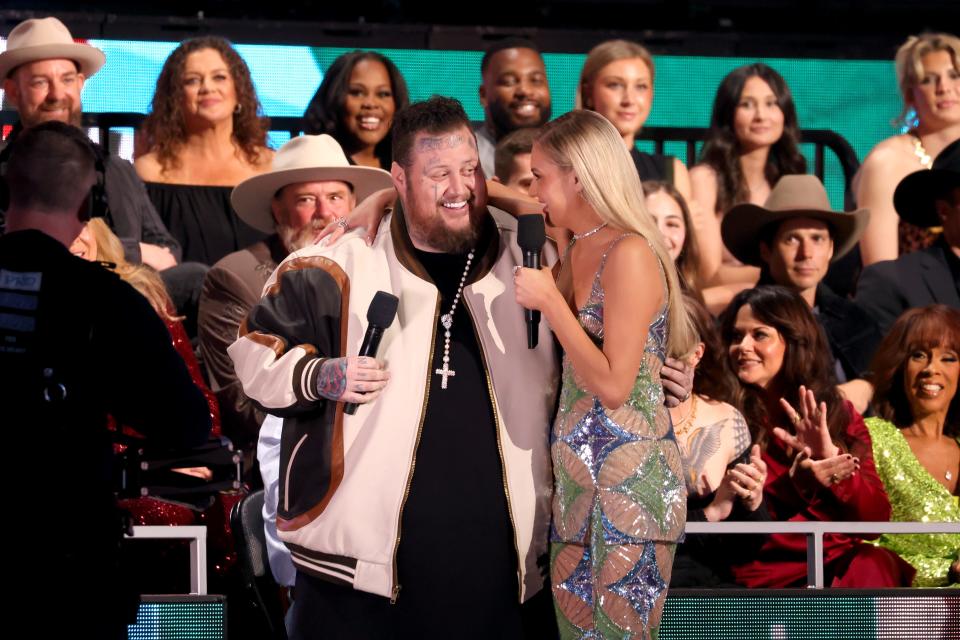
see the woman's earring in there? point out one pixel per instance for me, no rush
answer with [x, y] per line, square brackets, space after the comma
[237, 110]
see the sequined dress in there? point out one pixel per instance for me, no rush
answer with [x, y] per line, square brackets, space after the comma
[619, 503]
[915, 496]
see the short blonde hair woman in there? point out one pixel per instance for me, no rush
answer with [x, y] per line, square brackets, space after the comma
[616, 310]
[928, 75]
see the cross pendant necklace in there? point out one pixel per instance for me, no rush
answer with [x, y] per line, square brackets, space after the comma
[446, 320]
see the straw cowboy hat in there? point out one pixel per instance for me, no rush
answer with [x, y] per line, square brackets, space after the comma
[302, 159]
[916, 194]
[794, 196]
[47, 39]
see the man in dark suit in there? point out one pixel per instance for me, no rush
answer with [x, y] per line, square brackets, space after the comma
[926, 198]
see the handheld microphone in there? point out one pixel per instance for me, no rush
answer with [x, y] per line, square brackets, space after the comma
[531, 235]
[380, 315]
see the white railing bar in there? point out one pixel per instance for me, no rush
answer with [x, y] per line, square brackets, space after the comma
[198, 549]
[815, 530]
[823, 527]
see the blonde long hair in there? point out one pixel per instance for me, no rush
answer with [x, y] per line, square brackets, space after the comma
[141, 277]
[602, 55]
[587, 144]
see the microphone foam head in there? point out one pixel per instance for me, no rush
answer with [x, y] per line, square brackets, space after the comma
[531, 233]
[383, 309]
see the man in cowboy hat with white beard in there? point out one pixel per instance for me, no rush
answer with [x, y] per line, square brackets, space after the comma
[926, 198]
[311, 184]
[799, 236]
[43, 72]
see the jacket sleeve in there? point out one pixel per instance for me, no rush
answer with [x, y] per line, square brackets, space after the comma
[878, 293]
[225, 301]
[297, 324]
[861, 497]
[132, 215]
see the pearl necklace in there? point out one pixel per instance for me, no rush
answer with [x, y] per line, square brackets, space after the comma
[918, 150]
[447, 321]
[587, 234]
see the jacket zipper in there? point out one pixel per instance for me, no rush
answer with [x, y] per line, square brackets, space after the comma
[413, 461]
[503, 460]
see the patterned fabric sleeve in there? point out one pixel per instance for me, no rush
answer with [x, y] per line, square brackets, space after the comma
[289, 333]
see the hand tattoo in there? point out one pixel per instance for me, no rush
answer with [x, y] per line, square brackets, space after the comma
[332, 379]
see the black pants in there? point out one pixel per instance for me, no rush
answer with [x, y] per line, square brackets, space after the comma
[327, 611]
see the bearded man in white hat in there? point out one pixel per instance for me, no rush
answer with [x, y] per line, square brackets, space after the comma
[43, 72]
[310, 186]
[794, 238]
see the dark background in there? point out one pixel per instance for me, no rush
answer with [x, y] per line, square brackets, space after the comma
[814, 28]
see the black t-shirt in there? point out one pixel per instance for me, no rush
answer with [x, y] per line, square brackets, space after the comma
[457, 560]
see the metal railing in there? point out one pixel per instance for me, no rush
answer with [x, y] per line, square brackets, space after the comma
[197, 535]
[822, 139]
[815, 532]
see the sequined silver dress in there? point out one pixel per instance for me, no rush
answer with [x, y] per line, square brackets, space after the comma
[619, 502]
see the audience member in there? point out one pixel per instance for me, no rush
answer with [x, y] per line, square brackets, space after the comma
[916, 438]
[799, 237]
[724, 475]
[355, 104]
[73, 362]
[669, 208]
[514, 94]
[512, 159]
[819, 461]
[310, 185]
[611, 428]
[43, 72]
[206, 135]
[617, 82]
[752, 142]
[925, 198]
[928, 74]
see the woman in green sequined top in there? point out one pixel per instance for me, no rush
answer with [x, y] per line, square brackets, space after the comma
[916, 439]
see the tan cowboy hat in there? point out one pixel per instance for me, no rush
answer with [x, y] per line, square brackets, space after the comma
[46, 39]
[302, 159]
[794, 196]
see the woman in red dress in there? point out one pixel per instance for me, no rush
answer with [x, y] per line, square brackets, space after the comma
[816, 446]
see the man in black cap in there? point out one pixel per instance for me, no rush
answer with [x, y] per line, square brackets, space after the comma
[926, 198]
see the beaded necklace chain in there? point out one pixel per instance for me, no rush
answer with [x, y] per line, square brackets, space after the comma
[447, 321]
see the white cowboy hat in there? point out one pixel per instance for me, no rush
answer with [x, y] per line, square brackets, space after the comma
[794, 196]
[47, 39]
[302, 159]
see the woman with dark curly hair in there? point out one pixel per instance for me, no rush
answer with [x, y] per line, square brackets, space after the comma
[752, 141]
[206, 135]
[355, 104]
[819, 460]
[916, 438]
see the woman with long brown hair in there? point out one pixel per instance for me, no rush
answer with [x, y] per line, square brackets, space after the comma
[206, 135]
[753, 141]
[818, 452]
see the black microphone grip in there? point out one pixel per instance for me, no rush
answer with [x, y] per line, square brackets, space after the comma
[380, 315]
[531, 260]
[369, 346]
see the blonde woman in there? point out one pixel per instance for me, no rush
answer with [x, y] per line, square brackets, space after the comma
[617, 82]
[615, 530]
[928, 73]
